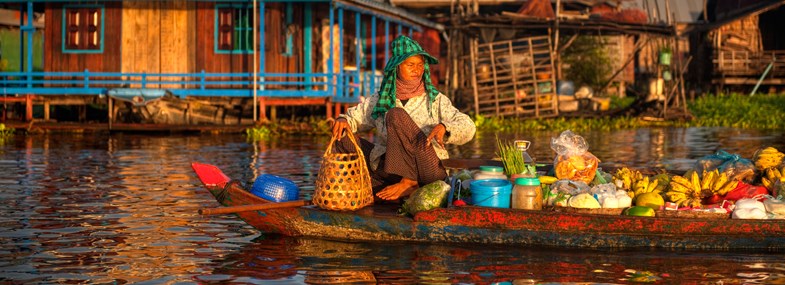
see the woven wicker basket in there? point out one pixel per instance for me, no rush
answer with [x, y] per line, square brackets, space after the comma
[343, 182]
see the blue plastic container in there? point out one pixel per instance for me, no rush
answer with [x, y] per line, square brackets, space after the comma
[493, 193]
[275, 189]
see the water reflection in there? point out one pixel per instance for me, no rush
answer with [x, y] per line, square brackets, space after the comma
[335, 262]
[82, 208]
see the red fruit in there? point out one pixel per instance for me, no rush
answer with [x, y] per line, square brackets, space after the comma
[459, 203]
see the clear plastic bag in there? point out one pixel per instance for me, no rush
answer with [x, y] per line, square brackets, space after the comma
[573, 160]
[733, 165]
[428, 197]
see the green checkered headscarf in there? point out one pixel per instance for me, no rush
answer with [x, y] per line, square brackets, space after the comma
[402, 48]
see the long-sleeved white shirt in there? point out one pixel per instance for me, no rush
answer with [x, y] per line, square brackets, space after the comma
[460, 127]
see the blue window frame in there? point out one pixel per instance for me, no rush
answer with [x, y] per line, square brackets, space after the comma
[83, 29]
[233, 28]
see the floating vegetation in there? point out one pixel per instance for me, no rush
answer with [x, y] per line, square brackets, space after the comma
[5, 133]
[734, 110]
[739, 111]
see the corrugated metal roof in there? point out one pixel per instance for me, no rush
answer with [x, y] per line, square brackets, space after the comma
[682, 11]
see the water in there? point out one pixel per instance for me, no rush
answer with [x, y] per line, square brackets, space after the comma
[84, 208]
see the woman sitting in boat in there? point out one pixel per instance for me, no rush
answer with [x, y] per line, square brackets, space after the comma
[413, 122]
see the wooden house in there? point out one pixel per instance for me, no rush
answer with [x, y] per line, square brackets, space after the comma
[513, 55]
[221, 61]
[748, 45]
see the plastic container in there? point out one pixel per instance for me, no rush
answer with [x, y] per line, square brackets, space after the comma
[493, 193]
[527, 194]
[274, 188]
[490, 172]
[565, 87]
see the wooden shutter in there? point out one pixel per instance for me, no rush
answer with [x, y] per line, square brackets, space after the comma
[225, 28]
[72, 28]
[93, 28]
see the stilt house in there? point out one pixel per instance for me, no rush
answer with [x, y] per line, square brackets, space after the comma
[221, 61]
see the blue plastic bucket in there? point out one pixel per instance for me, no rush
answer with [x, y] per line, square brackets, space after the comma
[494, 193]
[275, 189]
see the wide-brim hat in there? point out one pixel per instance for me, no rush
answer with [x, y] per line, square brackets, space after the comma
[404, 47]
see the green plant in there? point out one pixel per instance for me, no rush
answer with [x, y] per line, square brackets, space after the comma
[587, 63]
[512, 159]
[6, 131]
[258, 133]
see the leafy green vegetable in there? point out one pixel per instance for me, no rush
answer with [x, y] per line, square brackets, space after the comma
[428, 197]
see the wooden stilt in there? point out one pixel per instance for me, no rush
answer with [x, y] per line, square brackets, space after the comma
[28, 107]
[109, 109]
[46, 110]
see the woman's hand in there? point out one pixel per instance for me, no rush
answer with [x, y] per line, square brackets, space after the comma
[339, 126]
[438, 134]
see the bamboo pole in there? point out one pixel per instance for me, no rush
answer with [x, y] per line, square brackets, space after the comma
[254, 207]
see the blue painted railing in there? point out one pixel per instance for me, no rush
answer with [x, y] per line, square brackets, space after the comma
[347, 90]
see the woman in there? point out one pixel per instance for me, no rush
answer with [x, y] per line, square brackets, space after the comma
[413, 122]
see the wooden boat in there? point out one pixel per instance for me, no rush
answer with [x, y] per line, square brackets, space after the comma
[484, 225]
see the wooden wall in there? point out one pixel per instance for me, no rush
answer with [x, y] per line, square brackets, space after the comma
[157, 38]
[275, 62]
[57, 61]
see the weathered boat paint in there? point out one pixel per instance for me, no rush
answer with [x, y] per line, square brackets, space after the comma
[503, 226]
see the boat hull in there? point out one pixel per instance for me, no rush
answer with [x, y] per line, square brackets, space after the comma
[482, 225]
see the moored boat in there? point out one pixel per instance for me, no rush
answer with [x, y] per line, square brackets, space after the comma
[484, 225]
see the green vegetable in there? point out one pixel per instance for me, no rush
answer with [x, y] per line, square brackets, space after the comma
[428, 197]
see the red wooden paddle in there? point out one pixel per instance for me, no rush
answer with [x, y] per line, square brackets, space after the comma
[255, 207]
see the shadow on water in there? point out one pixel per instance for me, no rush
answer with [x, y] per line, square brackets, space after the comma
[123, 209]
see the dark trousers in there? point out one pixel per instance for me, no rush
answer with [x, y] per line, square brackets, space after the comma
[408, 154]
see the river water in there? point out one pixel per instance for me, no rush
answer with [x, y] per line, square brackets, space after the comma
[122, 208]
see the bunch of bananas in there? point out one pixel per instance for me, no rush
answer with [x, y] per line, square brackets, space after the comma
[636, 183]
[625, 178]
[773, 174]
[688, 190]
[767, 158]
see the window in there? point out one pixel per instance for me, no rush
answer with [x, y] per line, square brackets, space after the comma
[234, 29]
[83, 29]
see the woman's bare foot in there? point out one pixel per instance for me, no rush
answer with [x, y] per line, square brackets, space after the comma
[398, 190]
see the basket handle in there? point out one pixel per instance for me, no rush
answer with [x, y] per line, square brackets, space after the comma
[352, 139]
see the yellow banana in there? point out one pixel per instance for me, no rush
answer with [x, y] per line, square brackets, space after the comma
[766, 182]
[708, 179]
[728, 187]
[676, 187]
[720, 181]
[696, 181]
[653, 186]
[767, 158]
[681, 181]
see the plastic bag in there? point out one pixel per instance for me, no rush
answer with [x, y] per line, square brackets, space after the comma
[428, 197]
[733, 165]
[573, 160]
[570, 187]
[744, 190]
[749, 208]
